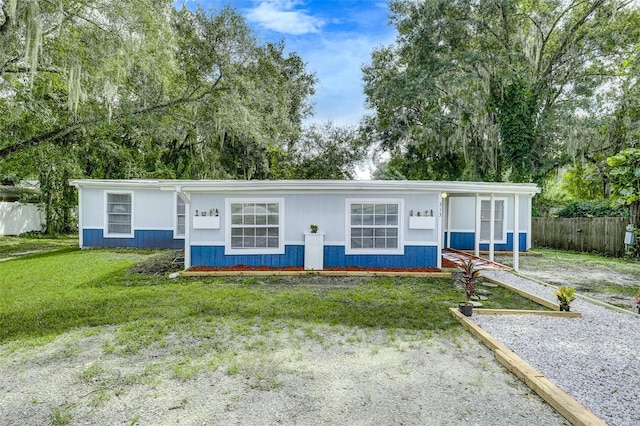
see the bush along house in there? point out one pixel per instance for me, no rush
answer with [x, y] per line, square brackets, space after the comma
[222, 223]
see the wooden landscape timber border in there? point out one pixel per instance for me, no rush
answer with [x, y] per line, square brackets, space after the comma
[312, 272]
[532, 297]
[565, 404]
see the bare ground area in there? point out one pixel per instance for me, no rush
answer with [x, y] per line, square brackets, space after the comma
[324, 375]
[292, 374]
[613, 281]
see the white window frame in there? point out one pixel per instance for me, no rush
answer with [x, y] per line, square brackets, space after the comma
[397, 251]
[262, 250]
[106, 232]
[176, 234]
[503, 239]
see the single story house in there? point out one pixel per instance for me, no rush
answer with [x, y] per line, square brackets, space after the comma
[399, 224]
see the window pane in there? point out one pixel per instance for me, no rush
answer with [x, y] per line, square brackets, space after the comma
[356, 242]
[374, 226]
[257, 224]
[119, 228]
[119, 210]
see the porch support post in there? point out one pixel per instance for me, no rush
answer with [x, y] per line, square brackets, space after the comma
[448, 229]
[516, 231]
[187, 227]
[440, 227]
[492, 227]
[478, 224]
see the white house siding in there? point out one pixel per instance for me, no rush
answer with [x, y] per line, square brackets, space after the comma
[328, 211]
[462, 226]
[153, 219]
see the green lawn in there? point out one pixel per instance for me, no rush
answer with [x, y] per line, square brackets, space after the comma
[42, 296]
[15, 246]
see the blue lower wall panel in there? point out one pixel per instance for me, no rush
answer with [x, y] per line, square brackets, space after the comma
[141, 239]
[214, 256]
[465, 241]
[414, 257]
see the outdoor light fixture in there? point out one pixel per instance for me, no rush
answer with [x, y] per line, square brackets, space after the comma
[445, 195]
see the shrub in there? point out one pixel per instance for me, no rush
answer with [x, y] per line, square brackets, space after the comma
[592, 209]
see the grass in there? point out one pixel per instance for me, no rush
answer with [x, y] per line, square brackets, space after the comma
[12, 246]
[541, 257]
[45, 295]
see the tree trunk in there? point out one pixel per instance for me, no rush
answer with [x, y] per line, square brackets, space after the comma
[634, 213]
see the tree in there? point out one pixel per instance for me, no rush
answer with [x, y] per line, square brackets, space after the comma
[625, 179]
[323, 151]
[495, 82]
[124, 89]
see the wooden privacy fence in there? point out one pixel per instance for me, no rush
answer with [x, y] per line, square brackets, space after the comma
[586, 234]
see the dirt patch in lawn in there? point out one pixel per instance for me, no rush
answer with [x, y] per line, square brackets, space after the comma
[162, 263]
[292, 375]
[605, 281]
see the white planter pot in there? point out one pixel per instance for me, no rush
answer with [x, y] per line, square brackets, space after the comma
[422, 222]
[313, 251]
[206, 222]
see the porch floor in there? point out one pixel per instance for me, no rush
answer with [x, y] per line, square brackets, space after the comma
[457, 256]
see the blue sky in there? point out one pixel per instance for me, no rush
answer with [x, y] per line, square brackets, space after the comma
[333, 37]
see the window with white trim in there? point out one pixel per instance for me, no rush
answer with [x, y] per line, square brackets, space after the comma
[485, 221]
[180, 217]
[255, 226]
[373, 226]
[119, 214]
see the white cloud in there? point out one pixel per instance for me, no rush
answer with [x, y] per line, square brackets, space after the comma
[281, 16]
[337, 60]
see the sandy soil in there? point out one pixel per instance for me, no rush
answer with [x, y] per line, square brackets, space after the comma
[302, 377]
[588, 280]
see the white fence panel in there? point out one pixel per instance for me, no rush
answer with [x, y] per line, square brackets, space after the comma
[16, 218]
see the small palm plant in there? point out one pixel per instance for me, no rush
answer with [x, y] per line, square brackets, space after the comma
[565, 296]
[468, 278]
[637, 299]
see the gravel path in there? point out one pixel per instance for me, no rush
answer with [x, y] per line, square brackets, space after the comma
[594, 358]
